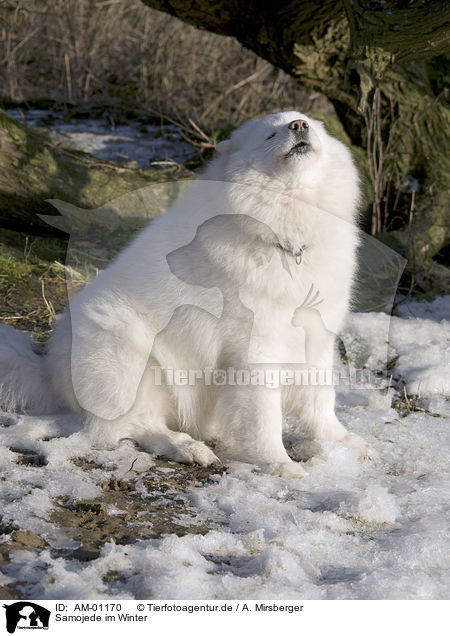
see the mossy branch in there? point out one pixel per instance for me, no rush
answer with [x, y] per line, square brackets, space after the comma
[34, 167]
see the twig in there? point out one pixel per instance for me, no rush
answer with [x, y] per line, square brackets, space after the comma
[69, 78]
[48, 304]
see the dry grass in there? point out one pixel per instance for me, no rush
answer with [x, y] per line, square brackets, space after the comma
[32, 291]
[122, 54]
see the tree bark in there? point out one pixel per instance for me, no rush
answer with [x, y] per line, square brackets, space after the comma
[272, 29]
[35, 168]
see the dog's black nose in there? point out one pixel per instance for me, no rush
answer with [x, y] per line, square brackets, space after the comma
[298, 125]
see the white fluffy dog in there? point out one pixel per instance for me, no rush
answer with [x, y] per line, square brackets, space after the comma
[248, 275]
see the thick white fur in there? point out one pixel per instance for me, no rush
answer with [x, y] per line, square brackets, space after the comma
[142, 312]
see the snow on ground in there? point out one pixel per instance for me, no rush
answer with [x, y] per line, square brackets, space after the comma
[134, 141]
[416, 342]
[349, 530]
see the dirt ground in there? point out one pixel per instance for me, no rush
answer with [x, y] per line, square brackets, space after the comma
[166, 510]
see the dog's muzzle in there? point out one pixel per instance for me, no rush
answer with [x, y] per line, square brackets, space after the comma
[299, 129]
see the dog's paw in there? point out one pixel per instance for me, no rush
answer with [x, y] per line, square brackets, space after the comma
[355, 441]
[288, 470]
[193, 452]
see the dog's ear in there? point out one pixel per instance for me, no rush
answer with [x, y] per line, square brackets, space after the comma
[225, 147]
[228, 146]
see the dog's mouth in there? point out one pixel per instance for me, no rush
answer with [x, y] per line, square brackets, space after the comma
[300, 148]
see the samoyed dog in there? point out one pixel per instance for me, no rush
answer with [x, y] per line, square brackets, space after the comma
[207, 330]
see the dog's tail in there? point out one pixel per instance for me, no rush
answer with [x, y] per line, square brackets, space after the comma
[24, 381]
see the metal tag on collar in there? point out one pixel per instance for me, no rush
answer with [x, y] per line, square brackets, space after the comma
[298, 256]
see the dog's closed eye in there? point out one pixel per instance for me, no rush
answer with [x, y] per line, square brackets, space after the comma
[270, 136]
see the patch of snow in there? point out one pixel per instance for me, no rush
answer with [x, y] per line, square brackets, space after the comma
[418, 343]
[376, 529]
[134, 141]
[438, 309]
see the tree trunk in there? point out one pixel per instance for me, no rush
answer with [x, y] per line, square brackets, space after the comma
[383, 66]
[35, 168]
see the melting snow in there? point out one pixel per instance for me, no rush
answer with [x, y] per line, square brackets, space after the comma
[349, 530]
[134, 141]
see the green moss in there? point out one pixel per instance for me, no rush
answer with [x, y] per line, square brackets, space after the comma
[32, 291]
[34, 168]
[332, 124]
[13, 270]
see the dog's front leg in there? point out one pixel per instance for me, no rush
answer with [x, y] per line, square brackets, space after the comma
[313, 410]
[248, 423]
[312, 401]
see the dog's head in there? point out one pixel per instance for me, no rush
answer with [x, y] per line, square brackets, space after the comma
[291, 152]
[288, 140]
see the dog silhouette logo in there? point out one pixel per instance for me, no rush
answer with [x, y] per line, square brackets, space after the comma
[26, 615]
